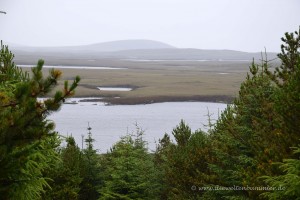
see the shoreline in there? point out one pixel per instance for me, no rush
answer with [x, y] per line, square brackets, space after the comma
[159, 99]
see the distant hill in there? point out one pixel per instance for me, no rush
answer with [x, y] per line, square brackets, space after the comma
[119, 45]
[135, 50]
[122, 45]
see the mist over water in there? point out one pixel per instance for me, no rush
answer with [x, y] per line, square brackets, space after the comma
[109, 123]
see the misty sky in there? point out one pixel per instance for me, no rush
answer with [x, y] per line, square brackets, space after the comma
[247, 25]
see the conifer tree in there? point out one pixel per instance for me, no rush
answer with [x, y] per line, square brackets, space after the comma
[287, 99]
[287, 107]
[66, 175]
[184, 163]
[245, 136]
[261, 125]
[287, 185]
[91, 170]
[129, 174]
[161, 165]
[27, 139]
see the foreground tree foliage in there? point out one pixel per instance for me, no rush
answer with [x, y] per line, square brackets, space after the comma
[184, 162]
[27, 139]
[260, 127]
[92, 173]
[130, 172]
[66, 174]
[290, 180]
[77, 174]
[252, 135]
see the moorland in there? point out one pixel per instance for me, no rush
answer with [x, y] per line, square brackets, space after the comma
[155, 75]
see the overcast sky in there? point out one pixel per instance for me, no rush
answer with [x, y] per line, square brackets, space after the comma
[247, 25]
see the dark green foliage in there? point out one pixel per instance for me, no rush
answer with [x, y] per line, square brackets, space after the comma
[66, 174]
[182, 133]
[160, 162]
[289, 182]
[184, 163]
[77, 175]
[27, 139]
[287, 102]
[9, 73]
[260, 127]
[229, 157]
[287, 107]
[252, 134]
[91, 171]
[130, 170]
[289, 57]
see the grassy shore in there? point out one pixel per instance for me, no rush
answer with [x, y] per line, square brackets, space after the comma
[156, 81]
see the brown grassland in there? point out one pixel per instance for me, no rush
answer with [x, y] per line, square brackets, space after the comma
[156, 81]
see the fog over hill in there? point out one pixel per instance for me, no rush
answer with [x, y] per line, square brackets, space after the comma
[119, 45]
[122, 45]
[135, 50]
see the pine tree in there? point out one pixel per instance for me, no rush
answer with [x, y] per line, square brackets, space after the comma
[27, 139]
[183, 164]
[287, 98]
[287, 108]
[287, 185]
[289, 57]
[66, 174]
[91, 170]
[129, 174]
[161, 165]
[261, 125]
[245, 137]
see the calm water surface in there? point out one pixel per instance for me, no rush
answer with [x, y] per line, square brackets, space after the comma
[108, 123]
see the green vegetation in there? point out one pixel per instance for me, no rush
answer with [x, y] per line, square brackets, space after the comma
[27, 139]
[251, 152]
[130, 172]
[78, 174]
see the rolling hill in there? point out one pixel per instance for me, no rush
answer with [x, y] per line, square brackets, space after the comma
[135, 50]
